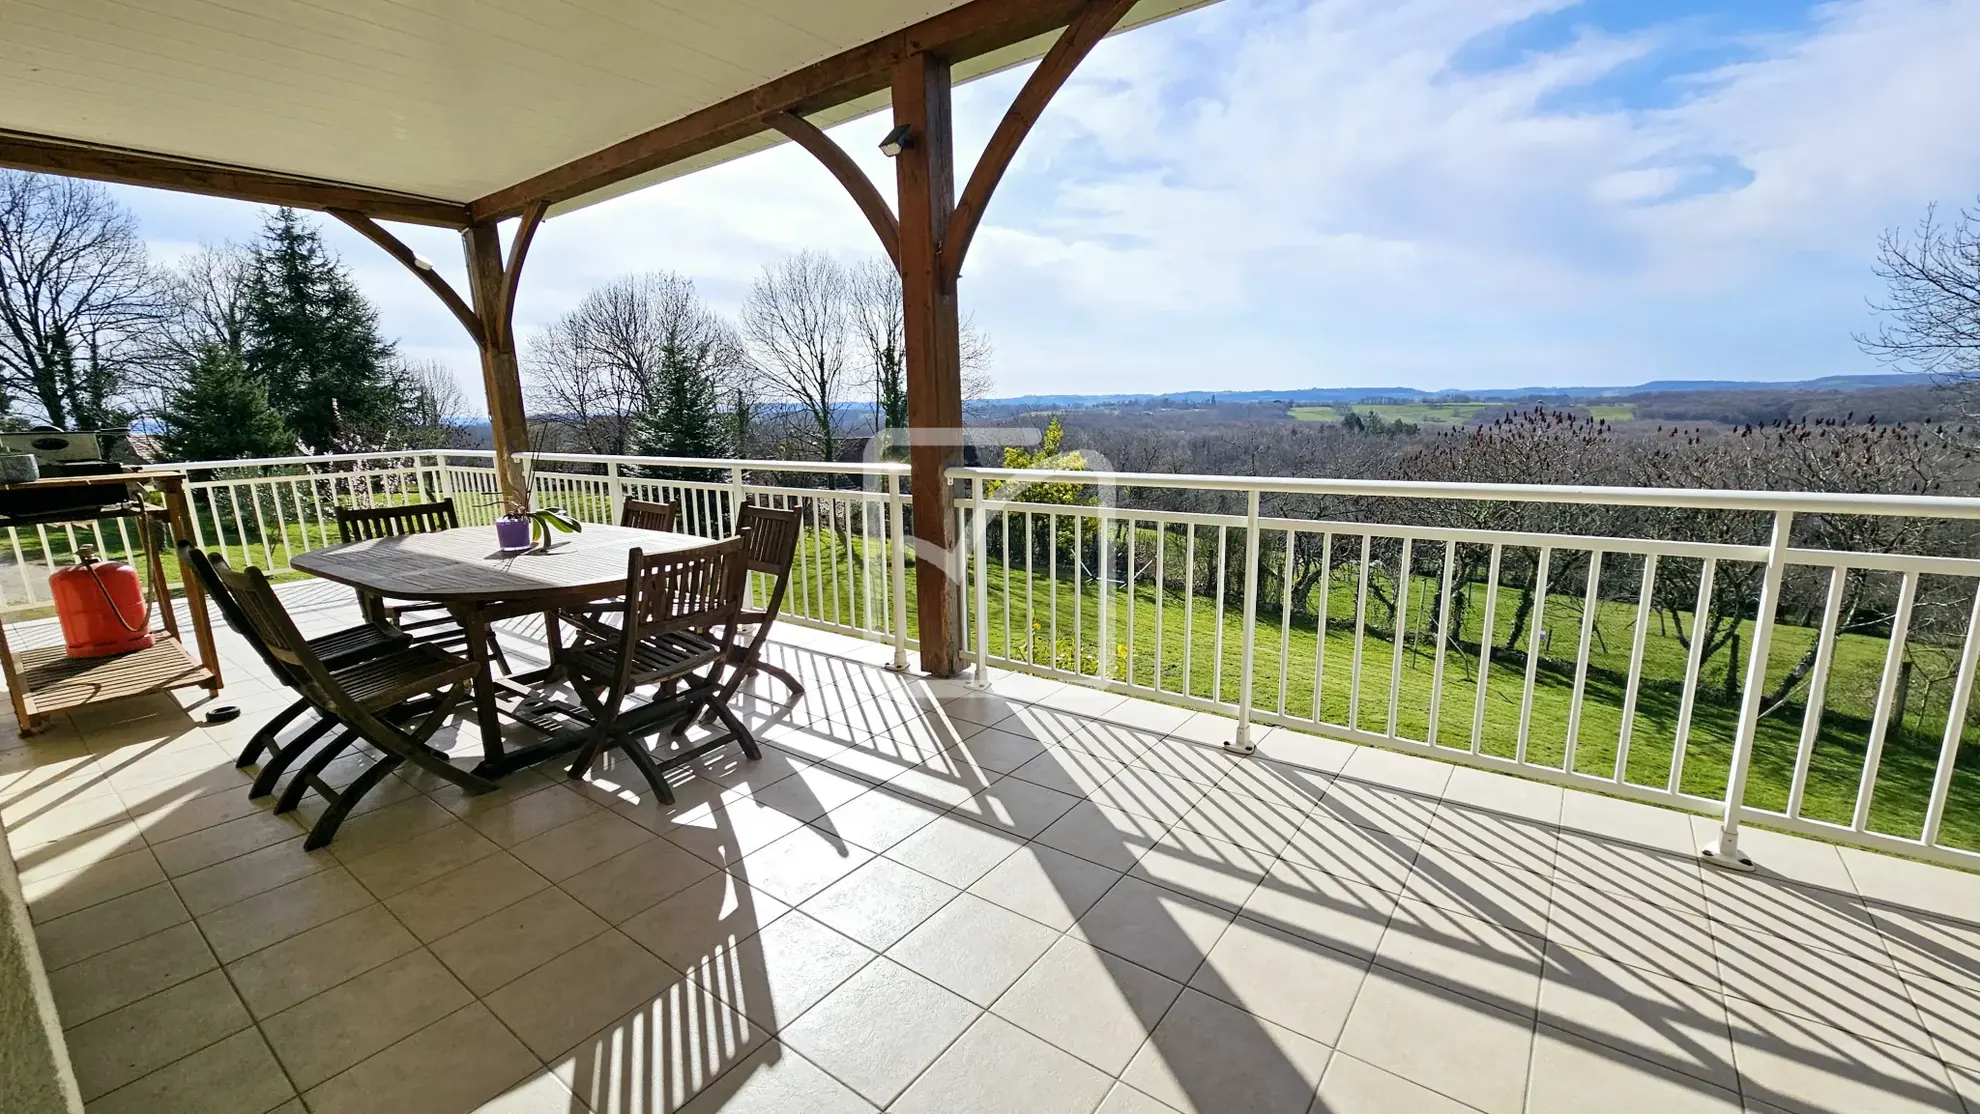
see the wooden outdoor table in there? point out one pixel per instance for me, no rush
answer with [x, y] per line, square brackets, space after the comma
[463, 569]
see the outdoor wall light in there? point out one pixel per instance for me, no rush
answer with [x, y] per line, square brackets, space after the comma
[898, 140]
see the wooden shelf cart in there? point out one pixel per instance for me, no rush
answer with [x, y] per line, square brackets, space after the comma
[44, 681]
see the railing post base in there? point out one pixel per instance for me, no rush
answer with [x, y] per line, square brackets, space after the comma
[1242, 745]
[1725, 854]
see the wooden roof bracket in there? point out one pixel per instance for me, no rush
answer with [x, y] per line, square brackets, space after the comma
[864, 193]
[1094, 21]
[421, 269]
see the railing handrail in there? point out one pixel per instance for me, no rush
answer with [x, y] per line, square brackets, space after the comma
[1797, 502]
[311, 458]
[862, 468]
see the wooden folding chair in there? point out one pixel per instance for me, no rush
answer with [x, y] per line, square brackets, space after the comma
[642, 515]
[673, 631]
[361, 523]
[336, 650]
[770, 547]
[393, 701]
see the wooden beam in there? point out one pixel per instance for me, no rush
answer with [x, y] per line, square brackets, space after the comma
[20, 151]
[806, 135]
[421, 269]
[501, 379]
[1091, 25]
[925, 177]
[963, 32]
[512, 272]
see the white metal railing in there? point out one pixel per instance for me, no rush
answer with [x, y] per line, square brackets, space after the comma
[850, 573]
[1386, 633]
[1583, 660]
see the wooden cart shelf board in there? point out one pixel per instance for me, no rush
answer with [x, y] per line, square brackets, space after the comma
[44, 681]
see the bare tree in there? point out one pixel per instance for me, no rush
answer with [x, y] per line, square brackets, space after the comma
[874, 291]
[435, 405]
[797, 319]
[203, 308]
[1931, 309]
[598, 368]
[206, 293]
[78, 300]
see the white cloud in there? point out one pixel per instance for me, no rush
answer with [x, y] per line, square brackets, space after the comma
[1275, 193]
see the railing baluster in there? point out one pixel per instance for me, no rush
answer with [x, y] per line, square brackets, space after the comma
[1693, 664]
[1443, 638]
[1246, 653]
[897, 526]
[1969, 657]
[1589, 603]
[1161, 598]
[1488, 633]
[1079, 597]
[980, 539]
[1223, 591]
[1401, 622]
[1030, 623]
[1535, 640]
[1880, 720]
[1320, 620]
[1725, 852]
[1818, 687]
[1128, 670]
[1360, 633]
[1189, 610]
[1639, 642]
[1285, 621]
[1054, 570]
[1103, 657]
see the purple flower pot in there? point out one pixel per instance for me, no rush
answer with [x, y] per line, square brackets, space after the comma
[512, 533]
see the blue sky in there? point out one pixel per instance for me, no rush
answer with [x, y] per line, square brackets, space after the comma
[1429, 193]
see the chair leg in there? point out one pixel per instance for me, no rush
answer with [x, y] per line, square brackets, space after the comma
[271, 771]
[264, 739]
[643, 760]
[325, 828]
[735, 725]
[313, 770]
[495, 651]
[790, 682]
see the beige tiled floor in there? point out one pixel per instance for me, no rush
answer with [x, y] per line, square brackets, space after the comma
[933, 898]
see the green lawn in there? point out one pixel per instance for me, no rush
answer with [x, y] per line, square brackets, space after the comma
[1905, 773]
[841, 578]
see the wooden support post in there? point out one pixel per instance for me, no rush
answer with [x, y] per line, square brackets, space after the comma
[925, 176]
[493, 283]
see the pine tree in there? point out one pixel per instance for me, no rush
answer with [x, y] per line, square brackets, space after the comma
[683, 421]
[892, 391]
[221, 412]
[312, 339]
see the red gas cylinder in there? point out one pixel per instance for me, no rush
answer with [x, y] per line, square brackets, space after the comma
[101, 607]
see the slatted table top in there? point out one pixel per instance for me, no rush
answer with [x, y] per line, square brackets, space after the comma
[464, 564]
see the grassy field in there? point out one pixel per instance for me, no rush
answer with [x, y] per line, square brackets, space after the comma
[841, 579]
[1904, 776]
[1442, 413]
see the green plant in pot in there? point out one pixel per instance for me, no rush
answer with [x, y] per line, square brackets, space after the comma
[523, 526]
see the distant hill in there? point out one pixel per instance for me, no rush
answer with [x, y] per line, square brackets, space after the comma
[1329, 395]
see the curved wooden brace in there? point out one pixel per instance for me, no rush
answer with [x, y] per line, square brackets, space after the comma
[1074, 43]
[805, 134]
[512, 273]
[397, 249]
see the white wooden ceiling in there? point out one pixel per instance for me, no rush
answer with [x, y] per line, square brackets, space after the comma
[448, 99]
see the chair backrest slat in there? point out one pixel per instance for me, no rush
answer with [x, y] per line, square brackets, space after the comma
[359, 523]
[643, 515]
[230, 608]
[684, 589]
[771, 548]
